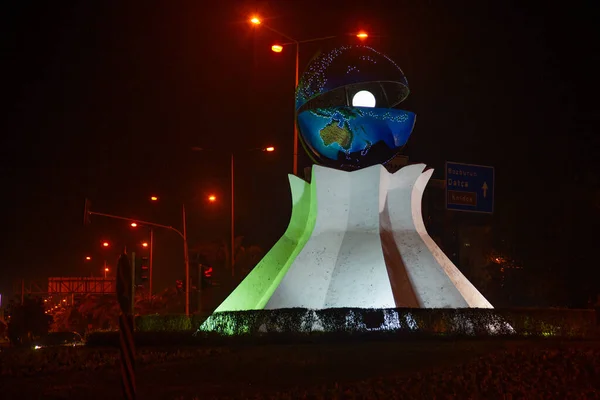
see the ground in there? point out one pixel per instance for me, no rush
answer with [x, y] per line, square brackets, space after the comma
[403, 369]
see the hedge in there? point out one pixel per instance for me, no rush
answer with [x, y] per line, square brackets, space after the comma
[298, 324]
[420, 321]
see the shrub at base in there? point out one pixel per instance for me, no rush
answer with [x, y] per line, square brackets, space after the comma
[421, 321]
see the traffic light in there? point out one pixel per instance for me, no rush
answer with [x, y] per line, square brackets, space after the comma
[206, 277]
[179, 285]
[142, 273]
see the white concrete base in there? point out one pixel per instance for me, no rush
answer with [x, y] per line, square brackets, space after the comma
[369, 247]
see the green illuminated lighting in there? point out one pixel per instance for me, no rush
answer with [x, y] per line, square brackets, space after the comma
[256, 289]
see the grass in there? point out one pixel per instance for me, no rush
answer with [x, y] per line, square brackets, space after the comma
[318, 370]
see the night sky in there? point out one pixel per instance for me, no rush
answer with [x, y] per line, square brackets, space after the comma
[104, 100]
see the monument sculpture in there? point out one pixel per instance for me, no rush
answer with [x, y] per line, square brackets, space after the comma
[356, 236]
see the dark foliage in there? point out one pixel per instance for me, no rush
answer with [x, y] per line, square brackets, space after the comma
[420, 322]
[23, 362]
[28, 321]
[524, 373]
[305, 326]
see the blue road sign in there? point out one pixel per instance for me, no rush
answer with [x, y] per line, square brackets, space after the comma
[469, 187]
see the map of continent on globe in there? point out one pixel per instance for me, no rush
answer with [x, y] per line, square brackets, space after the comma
[353, 136]
[333, 133]
[341, 128]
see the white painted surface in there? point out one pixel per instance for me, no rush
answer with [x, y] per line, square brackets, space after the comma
[369, 247]
[342, 264]
[468, 292]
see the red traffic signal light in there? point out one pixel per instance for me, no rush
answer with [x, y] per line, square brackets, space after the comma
[144, 269]
[208, 272]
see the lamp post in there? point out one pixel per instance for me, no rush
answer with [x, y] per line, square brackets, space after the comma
[187, 263]
[152, 224]
[151, 261]
[151, 250]
[232, 230]
[277, 48]
[185, 254]
[268, 149]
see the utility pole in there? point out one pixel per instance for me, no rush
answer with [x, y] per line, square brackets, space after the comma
[22, 291]
[151, 251]
[187, 263]
[295, 166]
[88, 212]
[132, 280]
[200, 288]
[232, 221]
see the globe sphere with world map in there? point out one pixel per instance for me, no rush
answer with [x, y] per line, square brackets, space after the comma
[345, 108]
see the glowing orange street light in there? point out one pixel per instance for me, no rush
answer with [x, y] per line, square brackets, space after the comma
[88, 258]
[212, 198]
[105, 244]
[153, 198]
[277, 48]
[145, 244]
[133, 224]
[255, 20]
[362, 35]
[270, 149]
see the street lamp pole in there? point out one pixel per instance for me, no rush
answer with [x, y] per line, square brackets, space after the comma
[151, 258]
[187, 263]
[232, 216]
[295, 169]
[256, 21]
[232, 219]
[182, 235]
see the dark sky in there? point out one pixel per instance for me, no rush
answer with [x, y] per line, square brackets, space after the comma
[105, 99]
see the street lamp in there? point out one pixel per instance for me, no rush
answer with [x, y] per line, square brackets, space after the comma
[183, 235]
[212, 198]
[88, 258]
[105, 271]
[145, 245]
[268, 149]
[278, 48]
[105, 244]
[186, 255]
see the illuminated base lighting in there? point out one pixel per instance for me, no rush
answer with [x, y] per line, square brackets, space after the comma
[356, 239]
[395, 320]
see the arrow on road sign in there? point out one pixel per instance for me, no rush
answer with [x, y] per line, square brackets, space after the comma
[485, 188]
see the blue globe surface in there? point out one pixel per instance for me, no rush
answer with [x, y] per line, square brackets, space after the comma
[337, 133]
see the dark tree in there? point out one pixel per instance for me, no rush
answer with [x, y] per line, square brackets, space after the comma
[28, 321]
